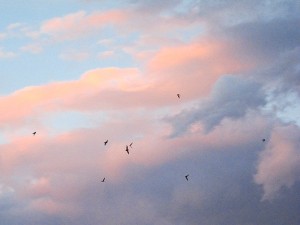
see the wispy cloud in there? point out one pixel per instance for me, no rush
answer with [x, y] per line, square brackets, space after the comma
[32, 48]
[80, 24]
[106, 54]
[7, 54]
[74, 56]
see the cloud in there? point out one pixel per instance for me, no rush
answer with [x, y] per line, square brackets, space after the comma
[14, 26]
[147, 188]
[163, 74]
[7, 54]
[278, 164]
[232, 97]
[228, 73]
[264, 40]
[233, 12]
[74, 56]
[105, 42]
[79, 24]
[149, 182]
[3, 35]
[60, 94]
[106, 54]
[32, 48]
[153, 6]
[283, 75]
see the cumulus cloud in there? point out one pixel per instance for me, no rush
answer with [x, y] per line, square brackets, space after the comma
[279, 163]
[232, 97]
[148, 187]
[284, 75]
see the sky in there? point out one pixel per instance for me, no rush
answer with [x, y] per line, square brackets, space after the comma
[80, 72]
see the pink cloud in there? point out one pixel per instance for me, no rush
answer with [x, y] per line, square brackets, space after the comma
[39, 188]
[80, 24]
[190, 69]
[155, 148]
[193, 68]
[83, 150]
[54, 172]
[51, 207]
[31, 101]
[279, 163]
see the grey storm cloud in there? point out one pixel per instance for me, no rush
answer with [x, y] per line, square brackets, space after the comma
[232, 97]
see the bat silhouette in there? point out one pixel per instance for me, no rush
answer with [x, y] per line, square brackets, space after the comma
[186, 177]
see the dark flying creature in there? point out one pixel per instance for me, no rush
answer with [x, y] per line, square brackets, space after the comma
[178, 95]
[127, 150]
[105, 142]
[34, 133]
[131, 144]
[103, 179]
[186, 177]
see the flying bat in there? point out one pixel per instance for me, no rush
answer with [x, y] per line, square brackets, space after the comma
[186, 177]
